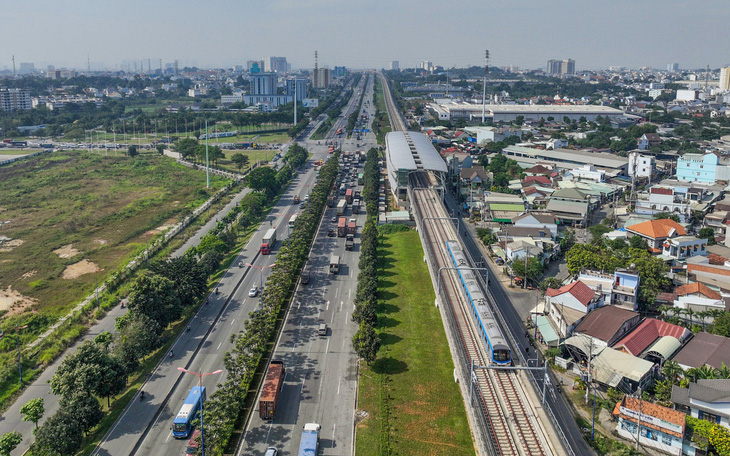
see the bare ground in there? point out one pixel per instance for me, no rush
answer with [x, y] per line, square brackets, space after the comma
[14, 302]
[67, 251]
[76, 270]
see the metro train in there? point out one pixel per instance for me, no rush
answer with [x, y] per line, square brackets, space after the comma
[489, 330]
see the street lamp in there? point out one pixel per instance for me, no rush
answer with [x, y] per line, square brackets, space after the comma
[200, 384]
[261, 280]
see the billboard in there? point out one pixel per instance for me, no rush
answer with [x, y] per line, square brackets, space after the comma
[310, 102]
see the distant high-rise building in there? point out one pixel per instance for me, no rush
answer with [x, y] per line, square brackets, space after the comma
[672, 67]
[298, 87]
[276, 65]
[394, 65]
[561, 67]
[14, 99]
[323, 78]
[263, 84]
[725, 78]
[426, 65]
[339, 71]
[255, 66]
[27, 67]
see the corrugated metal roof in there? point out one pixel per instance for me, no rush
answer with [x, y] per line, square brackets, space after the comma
[401, 156]
[612, 365]
[665, 346]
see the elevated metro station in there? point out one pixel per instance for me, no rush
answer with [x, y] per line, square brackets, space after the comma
[407, 152]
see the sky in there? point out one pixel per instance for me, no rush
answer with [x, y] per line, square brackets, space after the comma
[366, 34]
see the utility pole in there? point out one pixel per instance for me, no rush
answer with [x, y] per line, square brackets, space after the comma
[484, 89]
[638, 426]
[207, 167]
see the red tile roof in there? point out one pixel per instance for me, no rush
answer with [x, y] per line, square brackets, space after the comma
[657, 229]
[661, 191]
[655, 410]
[716, 259]
[647, 333]
[580, 291]
[697, 287]
[541, 179]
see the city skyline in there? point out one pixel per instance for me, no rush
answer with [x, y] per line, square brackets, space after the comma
[523, 33]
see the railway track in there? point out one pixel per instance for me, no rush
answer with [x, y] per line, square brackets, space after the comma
[511, 425]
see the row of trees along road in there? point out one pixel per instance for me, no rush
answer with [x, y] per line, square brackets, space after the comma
[100, 368]
[251, 344]
[365, 341]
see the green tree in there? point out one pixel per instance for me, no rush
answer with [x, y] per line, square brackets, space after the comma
[366, 343]
[240, 160]
[531, 271]
[597, 232]
[666, 215]
[550, 282]
[672, 371]
[156, 297]
[85, 409]
[189, 276]
[262, 179]
[132, 151]
[10, 441]
[567, 240]
[160, 149]
[721, 325]
[707, 233]
[186, 147]
[61, 434]
[33, 411]
[638, 242]
[211, 242]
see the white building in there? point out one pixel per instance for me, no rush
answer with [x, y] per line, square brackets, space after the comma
[15, 99]
[395, 65]
[569, 303]
[687, 95]
[233, 98]
[494, 134]
[682, 247]
[641, 165]
[589, 172]
[540, 220]
[725, 78]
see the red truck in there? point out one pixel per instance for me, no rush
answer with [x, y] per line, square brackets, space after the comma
[341, 227]
[348, 196]
[270, 391]
[351, 226]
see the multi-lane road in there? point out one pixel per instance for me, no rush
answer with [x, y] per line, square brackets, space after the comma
[144, 427]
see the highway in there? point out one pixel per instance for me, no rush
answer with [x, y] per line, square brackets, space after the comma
[144, 427]
[321, 371]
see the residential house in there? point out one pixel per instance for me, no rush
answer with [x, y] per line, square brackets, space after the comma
[707, 399]
[656, 426]
[571, 206]
[654, 340]
[568, 304]
[523, 248]
[676, 199]
[697, 299]
[616, 369]
[655, 232]
[542, 220]
[642, 166]
[704, 349]
[718, 221]
[546, 169]
[475, 176]
[701, 168]
[619, 289]
[647, 140]
[710, 270]
[539, 180]
[588, 172]
[682, 247]
[607, 325]
[494, 134]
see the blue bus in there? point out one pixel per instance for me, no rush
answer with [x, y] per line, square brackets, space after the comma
[181, 426]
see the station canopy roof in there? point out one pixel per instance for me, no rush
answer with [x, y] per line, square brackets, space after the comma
[412, 151]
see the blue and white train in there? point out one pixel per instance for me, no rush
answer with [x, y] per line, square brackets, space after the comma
[489, 330]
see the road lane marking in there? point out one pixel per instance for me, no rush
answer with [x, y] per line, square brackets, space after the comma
[334, 428]
[338, 385]
[340, 306]
[346, 314]
[328, 306]
[299, 305]
[337, 291]
[349, 293]
[234, 320]
[219, 346]
[327, 348]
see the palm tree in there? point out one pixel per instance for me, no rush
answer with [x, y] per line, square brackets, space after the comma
[672, 371]
[689, 312]
[722, 372]
[702, 316]
[706, 372]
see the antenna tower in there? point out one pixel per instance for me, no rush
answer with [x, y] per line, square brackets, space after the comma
[88, 63]
[484, 88]
[14, 75]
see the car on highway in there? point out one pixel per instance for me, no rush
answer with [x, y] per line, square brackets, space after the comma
[333, 219]
[271, 451]
[253, 292]
[331, 232]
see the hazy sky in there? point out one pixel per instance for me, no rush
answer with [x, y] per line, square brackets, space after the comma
[360, 34]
